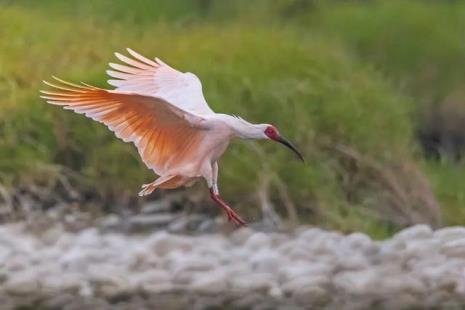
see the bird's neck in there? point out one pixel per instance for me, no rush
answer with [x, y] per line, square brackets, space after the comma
[243, 129]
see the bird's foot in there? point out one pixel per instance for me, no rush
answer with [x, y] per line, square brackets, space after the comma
[147, 189]
[233, 216]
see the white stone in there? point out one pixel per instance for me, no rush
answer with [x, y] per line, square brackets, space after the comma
[309, 235]
[308, 281]
[211, 282]
[352, 262]
[421, 249]
[358, 241]
[89, 237]
[357, 282]
[450, 233]
[185, 278]
[291, 271]
[153, 276]
[420, 231]
[401, 283]
[265, 261]
[297, 253]
[454, 248]
[107, 274]
[195, 264]
[153, 220]
[241, 235]
[61, 282]
[158, 288]
[258, 241]
[311, 295]
[163, 243]
[258, 282]
[22, 283]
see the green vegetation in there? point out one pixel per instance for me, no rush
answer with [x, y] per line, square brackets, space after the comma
[349, 82]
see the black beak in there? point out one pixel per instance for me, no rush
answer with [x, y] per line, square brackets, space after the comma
[284, 141]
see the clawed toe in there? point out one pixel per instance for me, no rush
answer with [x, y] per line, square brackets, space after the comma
[232, 216]
[146, 190]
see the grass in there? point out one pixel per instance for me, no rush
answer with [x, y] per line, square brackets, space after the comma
[326, 75]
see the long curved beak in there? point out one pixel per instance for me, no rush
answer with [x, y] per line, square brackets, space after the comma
[286, 142]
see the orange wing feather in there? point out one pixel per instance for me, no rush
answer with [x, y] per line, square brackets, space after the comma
[161, 134]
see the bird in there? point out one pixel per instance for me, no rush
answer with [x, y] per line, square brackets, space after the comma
[164, 113]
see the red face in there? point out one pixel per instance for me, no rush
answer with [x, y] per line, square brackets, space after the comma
[272, 133]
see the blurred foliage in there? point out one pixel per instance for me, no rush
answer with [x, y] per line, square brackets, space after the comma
[349, 81]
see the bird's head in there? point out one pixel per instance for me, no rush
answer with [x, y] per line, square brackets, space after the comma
[273, 134]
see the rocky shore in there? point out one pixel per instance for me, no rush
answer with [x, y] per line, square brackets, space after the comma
[246, 269]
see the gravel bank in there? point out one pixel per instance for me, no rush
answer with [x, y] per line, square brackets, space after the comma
[310, 268]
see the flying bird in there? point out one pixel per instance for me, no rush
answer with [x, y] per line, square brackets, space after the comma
[163, 112]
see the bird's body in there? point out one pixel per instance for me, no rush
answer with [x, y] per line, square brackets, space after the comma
[164, 113]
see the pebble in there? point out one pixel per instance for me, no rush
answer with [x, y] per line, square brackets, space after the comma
[211, 283]
[450, 233]
[309, 268]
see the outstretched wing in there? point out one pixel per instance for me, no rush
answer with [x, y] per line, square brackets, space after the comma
[155, 78]
[162, 132]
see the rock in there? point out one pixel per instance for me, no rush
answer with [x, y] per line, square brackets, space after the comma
[278, 239]
[158, 288]
[311, 295]
[310, 269]
[184, 278]
[50, 236]
[290, 272]
[153, 276]
[193, 264]
[107, 275]
[257, 282]
[420, 249]
[450, 233]
[111, 221]
[241, 235]
[454, 248]
[392, 251]
[396, 284]
[74, 260]
[357, 282]
[296, 253]
[248, 301]
[361, 242]
[265, 261]
[403, 301]
[156, 207]
[178, 225]
[22, 283]
[358, 241]
[415, 232]
[238, 269]
[89, 238]
[68, 282]
[352, 262]
[146, 221]
[211, 282]
[163, 243]
[276, 292]
[310, 234]
[258, 241]
[295, 285]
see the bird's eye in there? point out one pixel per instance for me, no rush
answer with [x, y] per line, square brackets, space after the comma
[271, 132]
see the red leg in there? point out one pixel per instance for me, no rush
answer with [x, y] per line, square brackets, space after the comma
[232, 215]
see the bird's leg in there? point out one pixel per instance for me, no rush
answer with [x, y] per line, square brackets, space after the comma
[215, 195]
[232, 215]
